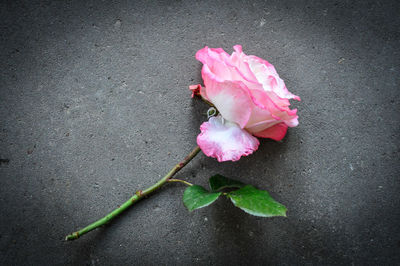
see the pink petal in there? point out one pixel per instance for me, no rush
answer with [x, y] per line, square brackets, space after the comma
[206, 54]
[266, 108]
[214, 59]
[225, 141]
[228, 67]
[276, 132]
[260, 120]
[238, 59]
[231, 98]
[237, 48]
[269, 78]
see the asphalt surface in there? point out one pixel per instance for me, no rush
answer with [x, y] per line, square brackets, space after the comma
[94, 105]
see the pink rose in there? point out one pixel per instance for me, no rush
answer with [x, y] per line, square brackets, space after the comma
[252, 101]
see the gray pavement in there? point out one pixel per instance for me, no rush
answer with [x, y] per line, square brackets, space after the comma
[94, 105]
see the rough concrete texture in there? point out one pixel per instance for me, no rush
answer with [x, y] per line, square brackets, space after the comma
[94, 105]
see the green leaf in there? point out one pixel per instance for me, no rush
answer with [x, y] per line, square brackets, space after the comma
[219, 182]
[196, 197]
[256, 202]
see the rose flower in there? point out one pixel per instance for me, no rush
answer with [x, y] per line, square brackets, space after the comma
[252, 101]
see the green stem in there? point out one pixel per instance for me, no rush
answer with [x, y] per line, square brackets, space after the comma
[135, 198]
[181, 181]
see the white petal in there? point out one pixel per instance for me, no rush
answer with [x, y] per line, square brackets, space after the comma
[225, 141]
